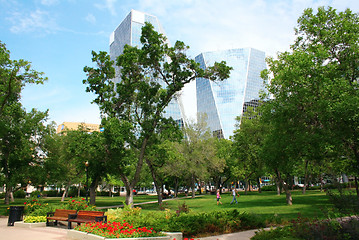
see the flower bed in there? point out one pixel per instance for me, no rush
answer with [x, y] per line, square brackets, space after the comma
[117, 230]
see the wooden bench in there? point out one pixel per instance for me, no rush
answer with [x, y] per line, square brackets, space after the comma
[59, 215]
[86, 216]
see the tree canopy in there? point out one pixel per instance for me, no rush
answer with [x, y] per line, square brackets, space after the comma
[150, 77]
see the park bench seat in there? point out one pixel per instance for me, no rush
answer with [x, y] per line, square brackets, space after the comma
[59, 215]
[86, 216]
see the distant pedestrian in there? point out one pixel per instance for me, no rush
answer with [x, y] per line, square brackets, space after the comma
[218, 197]
[234, 194]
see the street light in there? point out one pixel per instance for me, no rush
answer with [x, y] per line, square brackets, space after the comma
[87, 180]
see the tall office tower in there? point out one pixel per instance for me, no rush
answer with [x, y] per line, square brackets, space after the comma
[129, 32]
[224, 101]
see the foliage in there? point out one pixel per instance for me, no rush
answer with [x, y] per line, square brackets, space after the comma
[121, 214]
[345, 202]
[199, 150]
[117, 230]
[19, 194]
[188, 222]
[247, 144]
[149, 79]
[182, 208]
[34, 219]
[302, 228]
[36, 207]
[314, 93]
[78, 204]
[21, 132]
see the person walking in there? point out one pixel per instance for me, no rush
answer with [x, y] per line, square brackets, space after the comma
[234, 194]
[218, 197]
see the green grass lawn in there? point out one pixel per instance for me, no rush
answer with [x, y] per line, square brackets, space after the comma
[266, 204]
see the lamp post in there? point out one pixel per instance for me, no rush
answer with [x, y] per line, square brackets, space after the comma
[87, 180]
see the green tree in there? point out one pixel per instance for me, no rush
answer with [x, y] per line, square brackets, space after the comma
[315, 93]
[21, 132]
[148, 83]
[200, 152]
[247, 145]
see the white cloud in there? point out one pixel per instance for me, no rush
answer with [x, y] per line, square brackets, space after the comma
[90, 18]
[49, 2]
[34, 21]
[108, 5]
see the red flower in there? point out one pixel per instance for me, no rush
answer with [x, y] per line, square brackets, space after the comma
[25, 203]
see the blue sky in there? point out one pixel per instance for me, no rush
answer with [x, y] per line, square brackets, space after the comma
[57, 36]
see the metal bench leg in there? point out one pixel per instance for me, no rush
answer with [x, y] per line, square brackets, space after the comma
[69, 225]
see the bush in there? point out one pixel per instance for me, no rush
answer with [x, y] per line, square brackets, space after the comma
[73, 192]
[35, 194]
[36, 207]
[78, 204]
[269, 188]
[52, 193]
[313, 229]
[19, 194]
[34, 219]
[188, 223]
[345, 202]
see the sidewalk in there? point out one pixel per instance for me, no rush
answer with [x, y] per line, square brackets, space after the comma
[40, 233]
[60, 233]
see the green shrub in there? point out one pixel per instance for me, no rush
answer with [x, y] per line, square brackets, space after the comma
[19, 194]
[269, 188]
[189, 223]
[36, 207]
[35, 194]
[345, 202]
[34, 219]
[52, 193]
[302, 228]
[78, 204]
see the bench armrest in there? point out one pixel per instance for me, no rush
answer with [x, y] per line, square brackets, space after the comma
[72, 216]
[101, 218]
[50, 214]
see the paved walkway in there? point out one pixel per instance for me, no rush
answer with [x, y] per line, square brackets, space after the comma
[60, 233]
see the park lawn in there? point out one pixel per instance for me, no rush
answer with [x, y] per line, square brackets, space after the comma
[266, 204]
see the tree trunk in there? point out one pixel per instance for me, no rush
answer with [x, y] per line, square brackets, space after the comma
[193, 186]
[259, 186]
[93, 195]
[245, 186]
[129, 196]
[158, 183]
[321, 183]
[159, 191]
[93, 187]
[277, 182]
[305, 176]
[356, 187]
[288, 194]
[65, 193]
[176, 187]
[12, 196]
[79, 191]
[8, 194]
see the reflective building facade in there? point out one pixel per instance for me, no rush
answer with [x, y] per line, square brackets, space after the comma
[129, 32]
[224, 101]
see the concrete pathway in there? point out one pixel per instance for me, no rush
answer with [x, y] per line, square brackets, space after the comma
[60, 233]
[39, 233]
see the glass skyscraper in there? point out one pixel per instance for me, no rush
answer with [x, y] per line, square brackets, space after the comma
[224, 101]
[129, 32]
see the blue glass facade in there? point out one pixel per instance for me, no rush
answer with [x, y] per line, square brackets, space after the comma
[129, 32]
[224, 101]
